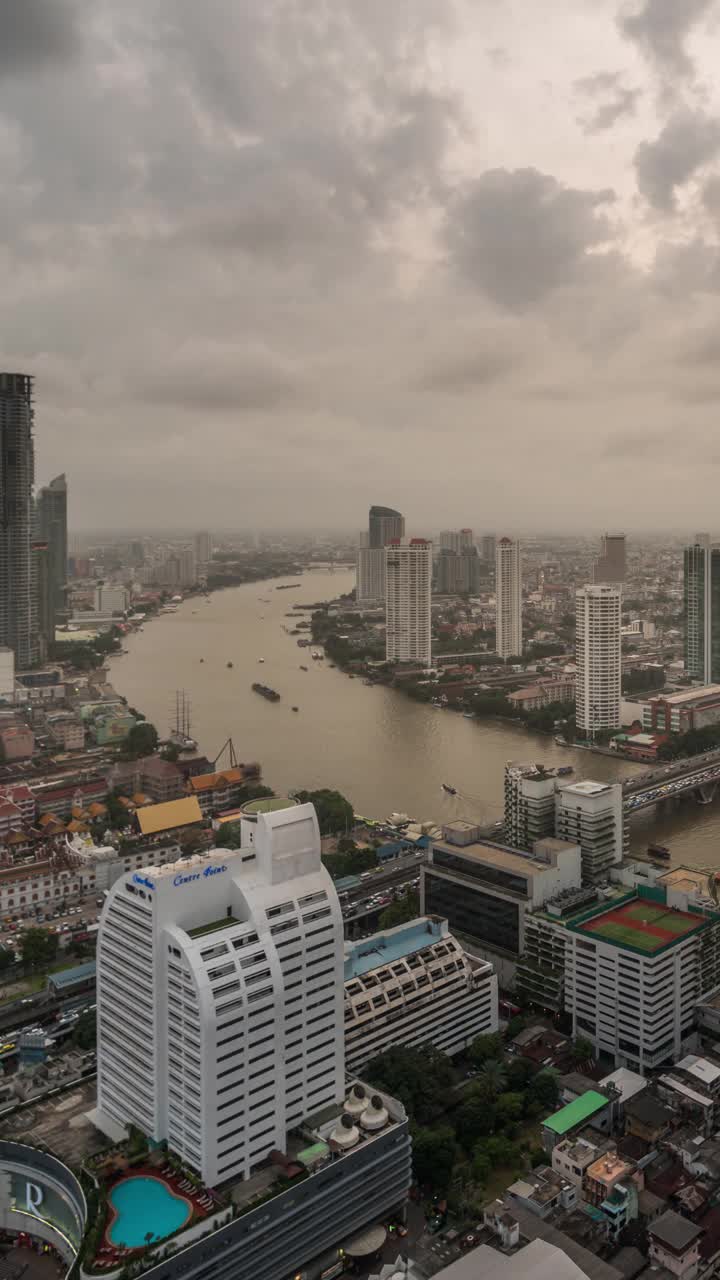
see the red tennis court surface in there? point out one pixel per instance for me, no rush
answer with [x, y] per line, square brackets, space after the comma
[642, 924]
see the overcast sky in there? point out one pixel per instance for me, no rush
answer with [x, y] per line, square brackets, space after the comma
[273, 260]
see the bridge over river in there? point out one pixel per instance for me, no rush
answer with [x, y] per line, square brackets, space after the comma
[700, 775]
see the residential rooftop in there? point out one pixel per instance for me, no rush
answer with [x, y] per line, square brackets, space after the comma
[497, 855]
[576, 1112]
[394, 944]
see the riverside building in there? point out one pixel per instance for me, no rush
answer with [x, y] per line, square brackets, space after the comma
[18, 594]
[415, 985]
[508, 595]
[590, 814]
[220, 997]
[408, 591]
[598, 620]
[701, 563]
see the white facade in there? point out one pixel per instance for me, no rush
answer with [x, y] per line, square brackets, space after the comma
[370, 575]
[591, 814]
[408, 590]
[637, 1009]
[598, 619]
[220, 997]
[415, 985]
[7, 672]
[508, 595]
[111, 597]
[529, 804]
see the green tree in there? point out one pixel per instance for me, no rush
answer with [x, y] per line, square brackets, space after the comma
[434, 1155]
[334, 812]
[171, 752]
[501, 1151]
[493, 1075]
[229, 836]
[38, 948]
[519, 1072]
[481, 1165]
[474, 1119]
[544, 1089]
[484, 1048]
[406, 908]
[85, 1033]
[509, 1108]
[6, 958]
[582, 1050]
[420, 1077]
[142, 740]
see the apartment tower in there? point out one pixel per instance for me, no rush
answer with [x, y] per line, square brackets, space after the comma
[702, 610]
[610, 565]
[508, 594]
[18, 601]
[598, 619]
[51, 526]
[384, 524]
[408, 591]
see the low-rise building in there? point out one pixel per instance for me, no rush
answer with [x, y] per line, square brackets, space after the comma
[17, 742]
[592, 1108]
[217, 792]
[675, 1245]
[573, 1156]
[543, 1192]
[680, 712]
[415, 985]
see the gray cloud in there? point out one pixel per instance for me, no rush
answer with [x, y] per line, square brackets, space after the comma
[688, 141]
[36, 32]
[213, 377]
[519, 235]
[459, 373]
[660, 29]
[617, 100]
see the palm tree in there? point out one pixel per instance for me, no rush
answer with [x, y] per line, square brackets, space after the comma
[493, 1074]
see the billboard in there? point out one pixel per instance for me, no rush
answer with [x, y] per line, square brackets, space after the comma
[34, 1197]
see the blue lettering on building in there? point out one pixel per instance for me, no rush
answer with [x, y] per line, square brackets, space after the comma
[198, 875]
[144, 880]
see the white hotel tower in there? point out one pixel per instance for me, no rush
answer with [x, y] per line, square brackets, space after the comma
[220, 997]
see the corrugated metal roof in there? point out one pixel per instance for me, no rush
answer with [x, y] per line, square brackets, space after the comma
[575, 1112]
[173, 813]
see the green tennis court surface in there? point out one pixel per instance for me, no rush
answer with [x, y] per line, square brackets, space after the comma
[642, 924]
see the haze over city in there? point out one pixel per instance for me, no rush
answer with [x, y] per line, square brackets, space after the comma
[253, 252]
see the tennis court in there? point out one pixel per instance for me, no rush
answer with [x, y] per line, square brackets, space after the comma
[642, 924]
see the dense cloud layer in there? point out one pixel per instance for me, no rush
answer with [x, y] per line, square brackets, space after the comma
[263, 257]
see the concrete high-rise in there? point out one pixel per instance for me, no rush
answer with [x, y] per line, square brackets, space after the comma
[460, 541]
[457, 572]
[220, 997]
[385, 525]
[18, 598]
[51, 527]
[591, 815]
[702, 610]
[203, 547]
[529, 804]
[487, 549]
[508, 595]
[408, 592]
[610, 565]
[598, 623]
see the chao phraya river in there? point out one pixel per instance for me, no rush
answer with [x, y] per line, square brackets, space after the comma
[384, 751]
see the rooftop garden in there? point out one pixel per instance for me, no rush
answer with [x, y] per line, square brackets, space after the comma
[223, 923]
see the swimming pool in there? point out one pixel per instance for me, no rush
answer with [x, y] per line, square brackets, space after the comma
[144, 1205]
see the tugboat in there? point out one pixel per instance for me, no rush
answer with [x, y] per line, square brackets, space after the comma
[296, 708]
[452, 791]
[564, 770]
[658, 851]
[302, 668]
[202, 659]
[229, 664]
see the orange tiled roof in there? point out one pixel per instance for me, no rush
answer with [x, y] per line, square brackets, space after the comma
[208, 781]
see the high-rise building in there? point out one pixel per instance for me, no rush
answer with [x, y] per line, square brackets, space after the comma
[487, 549]
[458, 572]
[408, 594]
[702, 610]
[508, 595]
[18, 594]
[598, 622]
[44, 597]
[52, 528]
[203, 547]
[234, 1031]
[385, 525]
[610, 565]
[432, 993]
[460, 541]
[370, 575]
[591, 815]
[529, 804]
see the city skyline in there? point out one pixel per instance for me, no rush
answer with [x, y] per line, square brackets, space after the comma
[410, 316]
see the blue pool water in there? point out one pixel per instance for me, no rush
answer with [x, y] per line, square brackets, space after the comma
[142, 1205]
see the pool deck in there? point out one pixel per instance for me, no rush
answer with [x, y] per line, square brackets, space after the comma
[199, 1201]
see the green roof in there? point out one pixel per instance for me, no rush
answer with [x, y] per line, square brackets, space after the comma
[223, 923]
[267, 804]
[576, 1112]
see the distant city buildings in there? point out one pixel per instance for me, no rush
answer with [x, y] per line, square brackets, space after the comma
[598, 620]
[384, 525]
[18, 589]
[408, 599]
[458, 571]
[610, 565]
[460, 541]
[701, 600]
[508, 594]
[487, 549]
[203, 548]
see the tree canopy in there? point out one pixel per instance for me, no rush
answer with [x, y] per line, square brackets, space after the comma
[399, 912]
[142, 740]
[38, 948]
[420, 1078]
[334, 812]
